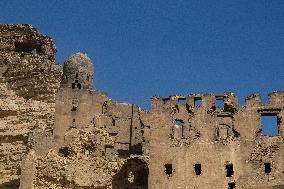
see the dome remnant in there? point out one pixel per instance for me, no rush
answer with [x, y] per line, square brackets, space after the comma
[78, 72]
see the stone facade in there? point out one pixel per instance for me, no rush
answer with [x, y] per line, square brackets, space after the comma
[58, 132]
[207, 146]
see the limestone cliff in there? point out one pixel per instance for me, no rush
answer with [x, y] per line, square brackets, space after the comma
[29, 81]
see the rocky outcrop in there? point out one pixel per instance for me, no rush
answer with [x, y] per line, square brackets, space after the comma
[29, 80]
[80, 164]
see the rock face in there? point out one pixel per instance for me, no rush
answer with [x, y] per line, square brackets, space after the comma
[57, 132]
[27, 63]
[29, 81]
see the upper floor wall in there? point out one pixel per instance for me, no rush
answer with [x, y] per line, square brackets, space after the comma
[216, 117]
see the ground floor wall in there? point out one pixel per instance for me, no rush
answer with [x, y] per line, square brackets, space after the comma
[206, 165]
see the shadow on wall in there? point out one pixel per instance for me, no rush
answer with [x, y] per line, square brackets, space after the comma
[14, 184]
[278, 187]
[132, 175]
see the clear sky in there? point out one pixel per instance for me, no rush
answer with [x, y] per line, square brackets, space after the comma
[151, 47]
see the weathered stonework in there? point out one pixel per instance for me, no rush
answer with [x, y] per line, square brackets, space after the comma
[57, 132]
[215, 139]
[29, 82]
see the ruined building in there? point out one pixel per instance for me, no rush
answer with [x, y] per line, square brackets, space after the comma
[57, 132]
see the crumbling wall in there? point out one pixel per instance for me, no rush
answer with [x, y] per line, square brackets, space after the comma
[80, 164]
[76, 137]
[78, 153]
[194, 145]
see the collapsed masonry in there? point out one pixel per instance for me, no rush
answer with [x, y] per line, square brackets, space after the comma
[57, 132]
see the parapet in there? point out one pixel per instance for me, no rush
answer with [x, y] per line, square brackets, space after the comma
[275, 100]
[227, 101]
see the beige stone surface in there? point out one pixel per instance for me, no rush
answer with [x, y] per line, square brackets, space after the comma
[214, 138]
[57, 132]
[29, 80]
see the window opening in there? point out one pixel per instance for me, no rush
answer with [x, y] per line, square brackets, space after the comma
[219, 102]
[197, 168]
[270, 124]
[231, 185]
[267, 168]
[230, 170]
[74, 108]
[197, 102]
[64, 151]
[79, 86]
[178, 123]
[182, 101]
[169, 169]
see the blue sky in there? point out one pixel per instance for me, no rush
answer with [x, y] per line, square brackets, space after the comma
[146, 48]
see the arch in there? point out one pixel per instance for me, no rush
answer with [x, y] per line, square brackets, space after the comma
[132, 175]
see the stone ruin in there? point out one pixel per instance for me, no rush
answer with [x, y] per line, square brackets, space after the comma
[57, 132]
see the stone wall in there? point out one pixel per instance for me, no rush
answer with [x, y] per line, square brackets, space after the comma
[197, 145]
[95, 142]
[57, 132]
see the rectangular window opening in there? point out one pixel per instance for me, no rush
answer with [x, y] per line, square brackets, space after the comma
[166, 100]
[231, 185]
[178, 123]
[74, 108]
[64, 151]
[182, 101]
[197, 102]
[219, 102]
[179, 127]
[168, 169]
[230, 170]
[197, 168]
[270, 124]
[267, 168]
